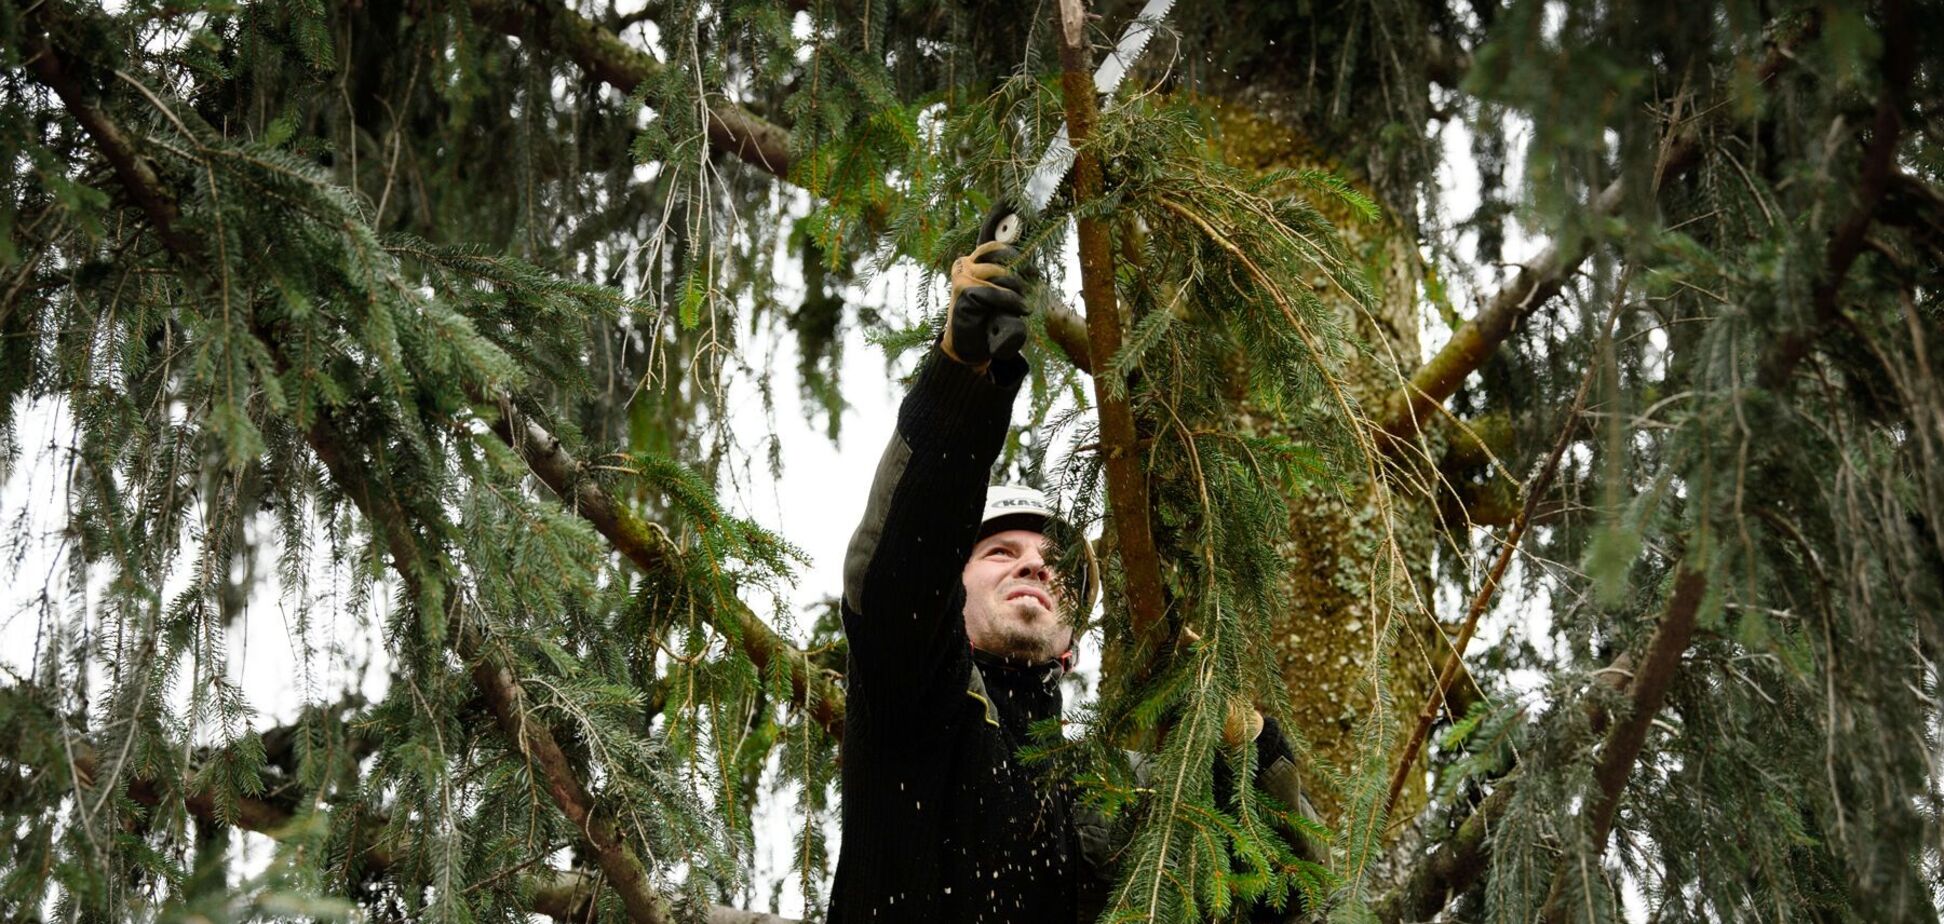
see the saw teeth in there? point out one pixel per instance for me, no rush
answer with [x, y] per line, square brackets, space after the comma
[1058, 156]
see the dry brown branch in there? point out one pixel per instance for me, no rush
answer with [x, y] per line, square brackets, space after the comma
[1534, 490]
[1126, 485]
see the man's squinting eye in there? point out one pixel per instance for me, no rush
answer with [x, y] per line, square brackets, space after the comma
[998, 550]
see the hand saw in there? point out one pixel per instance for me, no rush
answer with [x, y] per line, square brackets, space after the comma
[1058, 158]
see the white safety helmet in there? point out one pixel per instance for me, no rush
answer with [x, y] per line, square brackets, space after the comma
[1016, 506]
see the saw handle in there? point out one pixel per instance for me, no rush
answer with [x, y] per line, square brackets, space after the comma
[1002, 224]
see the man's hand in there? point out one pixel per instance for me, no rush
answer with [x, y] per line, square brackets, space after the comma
[987, 317]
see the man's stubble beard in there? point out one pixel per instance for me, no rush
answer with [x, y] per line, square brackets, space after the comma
[1020, 642]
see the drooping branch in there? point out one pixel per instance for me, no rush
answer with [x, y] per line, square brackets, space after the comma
[1628, 734]
[1534, 491]
[564, 895]
[138, 179]
[1453, 867]
[1460, 860]
[1874, 179]
[641, 545]
[547, 24]
[1457, 862]
[650, 551]
[616, 857]
[1127, 497]
[1646, 692]
[569, 895]
[600, 53]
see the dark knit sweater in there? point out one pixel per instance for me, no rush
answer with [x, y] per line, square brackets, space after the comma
[940, 821]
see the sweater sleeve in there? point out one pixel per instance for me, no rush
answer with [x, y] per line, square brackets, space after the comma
[1276, 774]
[903, 592]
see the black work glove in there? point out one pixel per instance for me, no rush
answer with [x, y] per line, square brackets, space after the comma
[987, 316]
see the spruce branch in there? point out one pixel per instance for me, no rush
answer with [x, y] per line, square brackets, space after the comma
[1463, 858]
[1126, 483]
[1627, 735]
[560, 893]
[1458, 861]
[138, 178]
[1874, 180]
[1421, 399]
[497, 682]
[732, 129]
[569, 895]
[646, 548]
[564, 895]
[649, 550]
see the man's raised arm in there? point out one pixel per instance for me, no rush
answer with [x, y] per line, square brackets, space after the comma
[903, 593]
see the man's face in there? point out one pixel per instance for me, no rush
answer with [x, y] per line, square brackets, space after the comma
[1012, 602]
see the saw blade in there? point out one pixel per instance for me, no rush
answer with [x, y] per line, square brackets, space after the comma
[1058, 157]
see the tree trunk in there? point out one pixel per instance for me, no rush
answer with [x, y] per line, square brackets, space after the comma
[1360, 558]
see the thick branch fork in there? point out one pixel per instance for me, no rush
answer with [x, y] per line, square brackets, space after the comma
[1422, 398]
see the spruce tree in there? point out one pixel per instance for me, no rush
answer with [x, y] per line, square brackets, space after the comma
[1599, 586]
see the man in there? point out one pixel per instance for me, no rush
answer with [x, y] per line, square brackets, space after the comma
[959, 633]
